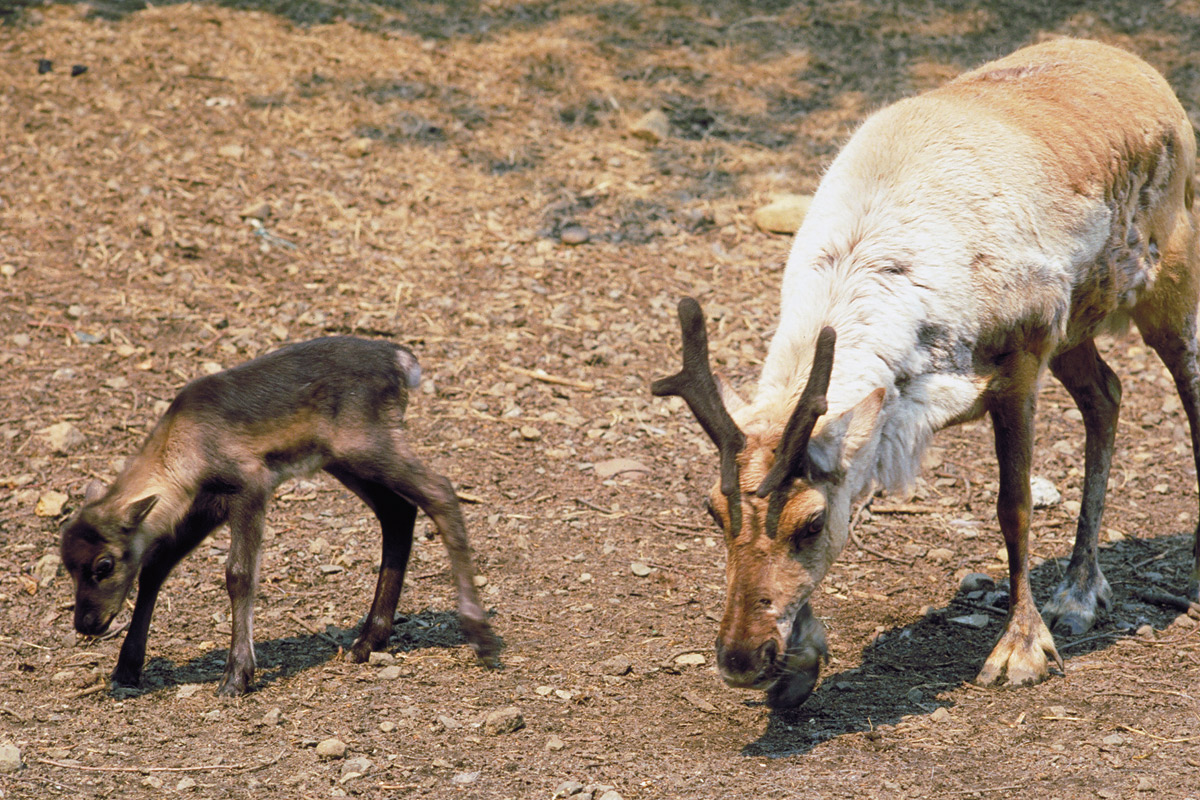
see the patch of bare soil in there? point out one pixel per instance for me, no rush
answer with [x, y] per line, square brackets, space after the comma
[187, 186]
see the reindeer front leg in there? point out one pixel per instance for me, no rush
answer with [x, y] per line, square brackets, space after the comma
[241, 581]
[1022, 652]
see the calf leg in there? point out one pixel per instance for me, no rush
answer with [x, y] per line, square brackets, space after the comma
[241, 581]
[1097, 393]
[393, 465]
[1023, 648]
[156, 567]
[396, 518]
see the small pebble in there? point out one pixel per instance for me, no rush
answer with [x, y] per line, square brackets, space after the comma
[10, 757]
[653, 126]
[574, 235]
[331, 748]
[554, 744]
[567, 789]
[503, 720]
[639, 569]
[977, 581]
[617, 665]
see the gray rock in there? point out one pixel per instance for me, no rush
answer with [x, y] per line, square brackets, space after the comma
[356, 766]
[617, 665]
[977, 582]
[653, 126]
[783, 214]
[1045, 493]
[63, 437]
[503, 720]
[574, 235]
[464, 778]
[10, 757]
[567, 789]
[331, 748]
[618, 466]
[978, 621]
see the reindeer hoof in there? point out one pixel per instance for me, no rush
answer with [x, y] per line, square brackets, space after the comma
[1022, 656]
[234, 685]
[1077, 603]
[1072, 624]
[793, 689]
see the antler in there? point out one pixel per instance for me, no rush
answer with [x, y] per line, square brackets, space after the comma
[790, 456]
[695, 384]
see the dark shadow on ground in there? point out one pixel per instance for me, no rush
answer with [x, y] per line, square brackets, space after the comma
[286, 656]
[903, 670]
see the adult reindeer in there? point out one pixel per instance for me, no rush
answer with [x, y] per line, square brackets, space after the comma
[962, 241]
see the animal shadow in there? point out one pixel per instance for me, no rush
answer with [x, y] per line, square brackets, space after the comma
[286, 656]
[904, 669]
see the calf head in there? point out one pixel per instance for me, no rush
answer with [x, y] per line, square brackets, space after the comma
[101, 551]
[783, 504]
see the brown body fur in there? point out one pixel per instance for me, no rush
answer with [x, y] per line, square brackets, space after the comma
[217, 455]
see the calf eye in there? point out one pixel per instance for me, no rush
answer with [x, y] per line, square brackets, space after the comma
[102, 568]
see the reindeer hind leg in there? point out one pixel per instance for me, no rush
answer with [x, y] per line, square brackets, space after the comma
[1179, 351]
[1084, 591]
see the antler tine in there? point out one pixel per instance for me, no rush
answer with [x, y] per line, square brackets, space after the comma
[696, 385]
[793, 446]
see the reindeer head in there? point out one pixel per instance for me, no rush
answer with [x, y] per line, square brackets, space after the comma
[784, 507]
[100, 551]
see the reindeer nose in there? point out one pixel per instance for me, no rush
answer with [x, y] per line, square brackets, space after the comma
[746, 668]
[766, 654]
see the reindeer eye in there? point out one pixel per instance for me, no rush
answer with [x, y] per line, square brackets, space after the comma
[102, 568]
[815, 524]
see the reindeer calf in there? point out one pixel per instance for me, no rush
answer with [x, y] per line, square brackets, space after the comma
[217, 455]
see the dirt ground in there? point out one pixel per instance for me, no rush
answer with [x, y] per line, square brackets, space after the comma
[187, 186]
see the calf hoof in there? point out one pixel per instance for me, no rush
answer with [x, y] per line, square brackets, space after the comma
[126, 678]
[483, 641]
[360, 651]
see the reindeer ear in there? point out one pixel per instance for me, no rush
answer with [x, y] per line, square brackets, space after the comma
[729, 396]
[93, 491]
[834, 447]
[137, 511]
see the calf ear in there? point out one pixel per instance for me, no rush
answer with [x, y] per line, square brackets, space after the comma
[833, 448]
[137, 511]
[93, 491]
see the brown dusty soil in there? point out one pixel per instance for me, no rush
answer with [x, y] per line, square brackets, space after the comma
[226, 177]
